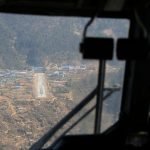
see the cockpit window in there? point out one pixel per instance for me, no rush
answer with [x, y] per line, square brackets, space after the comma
[43, 75]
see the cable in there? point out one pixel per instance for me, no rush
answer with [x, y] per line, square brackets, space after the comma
[86, 26]
[90, 21]
[140, 23]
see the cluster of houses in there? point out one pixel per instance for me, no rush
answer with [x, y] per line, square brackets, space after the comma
[66, 67]
[71, 67]
[61, 71]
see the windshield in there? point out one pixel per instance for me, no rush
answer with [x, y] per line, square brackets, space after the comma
[43, 75]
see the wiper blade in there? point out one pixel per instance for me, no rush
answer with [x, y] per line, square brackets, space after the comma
[40, 143]
[76, 122]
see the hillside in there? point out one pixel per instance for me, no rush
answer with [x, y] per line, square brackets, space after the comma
[37, 41]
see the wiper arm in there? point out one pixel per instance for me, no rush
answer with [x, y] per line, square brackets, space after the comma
[40, 143]
[76, 122]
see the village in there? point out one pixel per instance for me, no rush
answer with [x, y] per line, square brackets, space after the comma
[16, 84]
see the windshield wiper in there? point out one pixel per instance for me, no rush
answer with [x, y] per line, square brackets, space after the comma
[80, 119]
[40, 143]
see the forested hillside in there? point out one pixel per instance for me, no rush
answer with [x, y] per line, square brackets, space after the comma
[36, 41]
